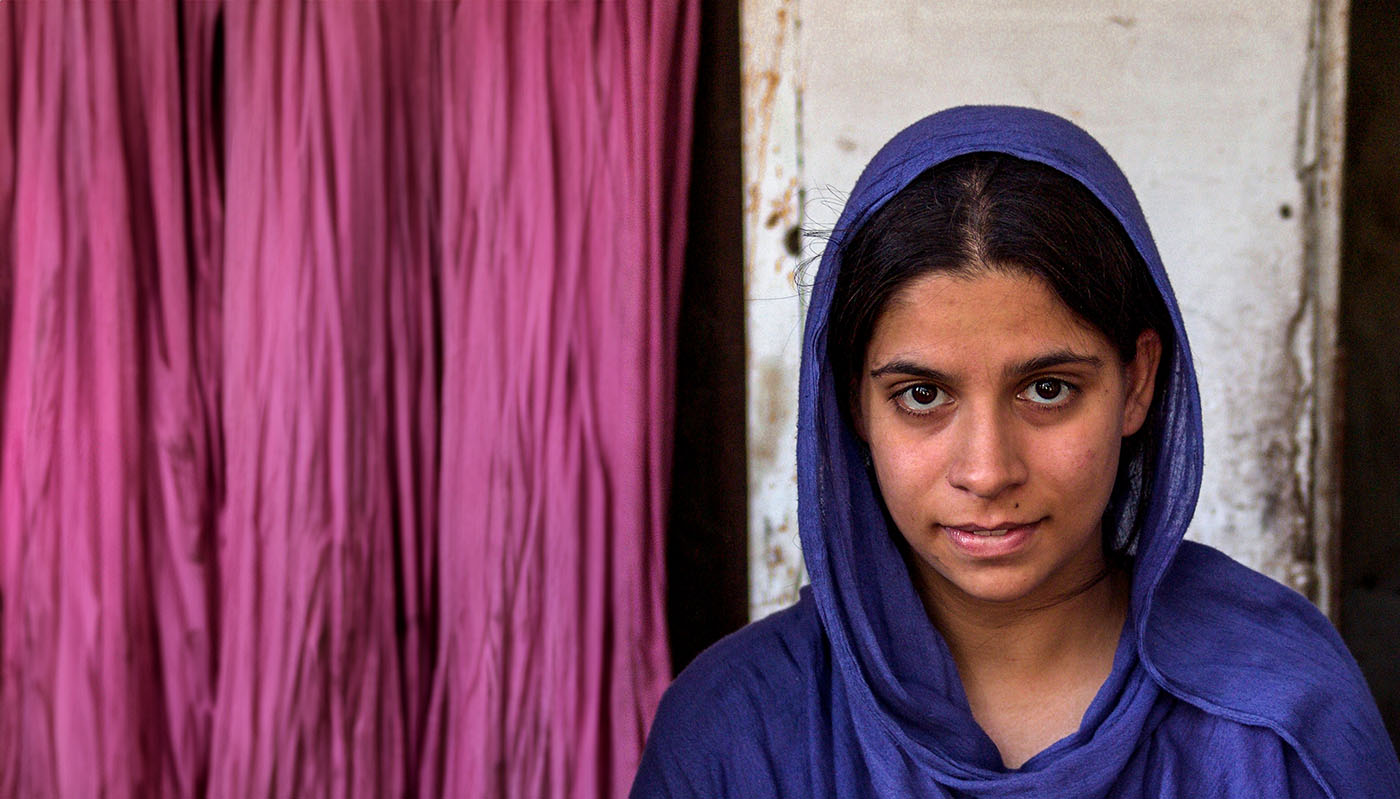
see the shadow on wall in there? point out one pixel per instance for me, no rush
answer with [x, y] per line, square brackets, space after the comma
[1370, 329]
[706, 546]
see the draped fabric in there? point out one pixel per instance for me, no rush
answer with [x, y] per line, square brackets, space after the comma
[336, 351]
[1224, 684]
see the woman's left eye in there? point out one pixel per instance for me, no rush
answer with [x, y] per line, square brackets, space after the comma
[1048, 391]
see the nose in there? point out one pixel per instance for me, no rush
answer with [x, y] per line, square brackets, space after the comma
[986, 459]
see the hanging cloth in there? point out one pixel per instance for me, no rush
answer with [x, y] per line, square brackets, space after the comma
[337, 350]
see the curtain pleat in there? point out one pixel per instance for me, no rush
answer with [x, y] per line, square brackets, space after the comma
[309, 655]
[337, 353]
[106, 680]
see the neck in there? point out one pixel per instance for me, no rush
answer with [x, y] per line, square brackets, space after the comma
[992, 641]
[1030, 669]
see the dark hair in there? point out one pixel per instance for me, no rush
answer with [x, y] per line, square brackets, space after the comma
[990, 211]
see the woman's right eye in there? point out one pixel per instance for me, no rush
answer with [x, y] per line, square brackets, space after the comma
[921, 398]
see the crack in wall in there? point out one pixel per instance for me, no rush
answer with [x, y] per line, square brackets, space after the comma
[1301, 572]
[1310, 330]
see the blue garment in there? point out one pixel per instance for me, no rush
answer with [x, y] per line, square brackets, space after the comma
[1224, 684]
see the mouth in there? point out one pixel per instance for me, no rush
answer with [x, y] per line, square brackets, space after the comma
[997, 533]
[993, 540]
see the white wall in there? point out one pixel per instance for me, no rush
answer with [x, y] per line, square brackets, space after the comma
[1226, 117]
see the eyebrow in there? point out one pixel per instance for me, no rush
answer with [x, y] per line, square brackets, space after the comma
[1052, 360]
[902, 367]
[1049, 360]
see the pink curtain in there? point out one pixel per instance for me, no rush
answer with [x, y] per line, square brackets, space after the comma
[336, 344]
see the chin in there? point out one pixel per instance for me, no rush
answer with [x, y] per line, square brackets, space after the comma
[1000, 592]
[989, 586]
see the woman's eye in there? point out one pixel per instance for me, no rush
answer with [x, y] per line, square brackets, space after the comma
[921, 399]
[1048, 391]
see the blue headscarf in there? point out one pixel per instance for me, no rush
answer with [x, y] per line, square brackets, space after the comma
[1212, 650]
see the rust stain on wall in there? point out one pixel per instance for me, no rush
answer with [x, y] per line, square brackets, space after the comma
[761, 78]
[784, 206]
[770, 397]
[771, 84]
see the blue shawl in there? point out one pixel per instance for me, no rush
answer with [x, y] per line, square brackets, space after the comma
[1225, 682]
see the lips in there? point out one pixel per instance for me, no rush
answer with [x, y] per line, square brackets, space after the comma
[999, 528]
[993, 540]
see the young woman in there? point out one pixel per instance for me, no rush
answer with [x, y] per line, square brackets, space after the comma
[999, 450]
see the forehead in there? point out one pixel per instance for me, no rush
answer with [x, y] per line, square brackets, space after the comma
[988, 314]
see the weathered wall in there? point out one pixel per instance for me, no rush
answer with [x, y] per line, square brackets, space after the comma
[773, 208]
[1223, 113]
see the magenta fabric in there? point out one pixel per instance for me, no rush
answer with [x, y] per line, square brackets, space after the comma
[337, 348]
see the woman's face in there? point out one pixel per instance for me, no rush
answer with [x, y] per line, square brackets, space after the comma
[995, 417]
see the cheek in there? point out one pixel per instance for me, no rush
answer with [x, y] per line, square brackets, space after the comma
[907, 470]
[1084, 465]
[1092, 444]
